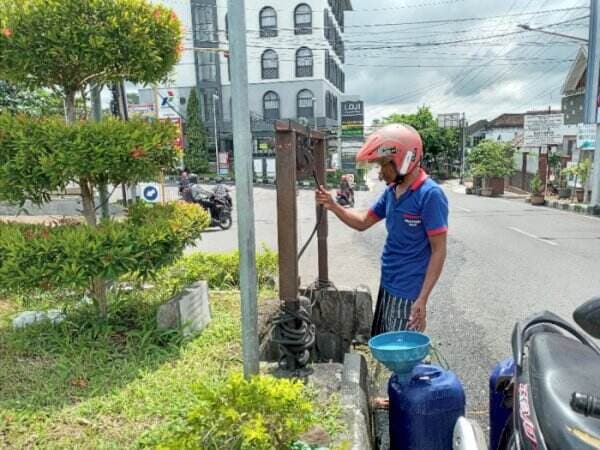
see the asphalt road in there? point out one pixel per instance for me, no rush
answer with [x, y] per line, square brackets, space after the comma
[506, 260]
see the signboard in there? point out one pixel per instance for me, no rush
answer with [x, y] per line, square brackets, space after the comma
[348, 161]
[586, 136]
[144, 111]
[543, 129]
[150, 192]
[451, 120]
[168, 103]
[353, 119]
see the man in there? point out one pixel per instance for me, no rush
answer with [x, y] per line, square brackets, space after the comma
[416, 213]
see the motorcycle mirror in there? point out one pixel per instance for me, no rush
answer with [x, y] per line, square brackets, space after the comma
[587, 316]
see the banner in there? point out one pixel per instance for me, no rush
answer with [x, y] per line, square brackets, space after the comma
[353, 119]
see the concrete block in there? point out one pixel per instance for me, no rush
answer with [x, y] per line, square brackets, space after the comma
[27, 318]
[189, 311]
[341, 317]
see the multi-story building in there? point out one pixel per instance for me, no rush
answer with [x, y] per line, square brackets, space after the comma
[295, 66]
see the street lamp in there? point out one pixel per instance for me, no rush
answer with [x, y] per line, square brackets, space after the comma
[215, 98]
[540, 30]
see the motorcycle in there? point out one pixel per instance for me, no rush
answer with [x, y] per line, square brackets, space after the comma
[218, 203]
[547, 396]
[345, 199]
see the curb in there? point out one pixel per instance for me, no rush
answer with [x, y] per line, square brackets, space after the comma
[355, 403]
[576, 208]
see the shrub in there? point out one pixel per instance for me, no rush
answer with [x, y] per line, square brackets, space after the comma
[491, 159]
[220, 270]
[264, 413]
[72, 255]
[536, 185]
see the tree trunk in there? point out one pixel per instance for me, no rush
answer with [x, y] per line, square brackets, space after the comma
[99, 294]
[87, 198]
[70, 111]
[89, 212]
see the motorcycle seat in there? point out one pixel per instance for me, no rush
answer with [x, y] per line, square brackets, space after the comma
[558, 367]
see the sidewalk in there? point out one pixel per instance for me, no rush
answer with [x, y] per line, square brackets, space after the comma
[563, 205]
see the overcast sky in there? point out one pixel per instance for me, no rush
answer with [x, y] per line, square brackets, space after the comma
[495, 68]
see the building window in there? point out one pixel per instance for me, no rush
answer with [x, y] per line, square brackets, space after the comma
[271, 106]
[207, 66]
[305, 104]
[270, 65]
[303, 19]
[204, 23]
[268, 22]
[304, 62]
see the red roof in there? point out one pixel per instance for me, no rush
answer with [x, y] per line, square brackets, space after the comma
[508, 121]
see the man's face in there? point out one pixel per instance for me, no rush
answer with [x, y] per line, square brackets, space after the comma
[387, 171]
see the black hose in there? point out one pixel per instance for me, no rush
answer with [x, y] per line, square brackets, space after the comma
[319, 220]
[295, 333]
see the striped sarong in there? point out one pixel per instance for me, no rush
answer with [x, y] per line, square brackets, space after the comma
[391, 313]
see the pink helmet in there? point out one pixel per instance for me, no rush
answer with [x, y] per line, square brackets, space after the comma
[399, 142]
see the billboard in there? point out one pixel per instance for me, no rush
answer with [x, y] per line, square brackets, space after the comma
[586, 136]
[353, 119]
[543, 129]
[451, 120]
[572, 107]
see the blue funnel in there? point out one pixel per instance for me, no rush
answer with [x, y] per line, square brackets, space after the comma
[400, 351]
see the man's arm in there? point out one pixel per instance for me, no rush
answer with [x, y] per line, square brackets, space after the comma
[418, 315]
[359, 220]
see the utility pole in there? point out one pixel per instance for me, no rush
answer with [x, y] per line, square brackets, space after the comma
[215, 98]
[591, 95]
[97, 117]
[463, 140]
[242, 140]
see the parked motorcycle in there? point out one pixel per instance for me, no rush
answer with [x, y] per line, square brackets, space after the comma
[547, 396]
[218, 202]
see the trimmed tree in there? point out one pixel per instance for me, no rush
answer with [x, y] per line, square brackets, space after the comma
[87, 42]
[491, 159]
[195, 157]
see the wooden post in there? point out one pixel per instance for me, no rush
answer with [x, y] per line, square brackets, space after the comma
[287, 233]
[323, 231]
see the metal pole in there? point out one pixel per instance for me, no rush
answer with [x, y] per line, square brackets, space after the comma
[242, 140]
[215, 97]
[591, 95]
[463, 145]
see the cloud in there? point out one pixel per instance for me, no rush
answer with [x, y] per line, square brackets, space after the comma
[482, 77]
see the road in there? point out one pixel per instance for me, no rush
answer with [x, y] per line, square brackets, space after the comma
[506, 260]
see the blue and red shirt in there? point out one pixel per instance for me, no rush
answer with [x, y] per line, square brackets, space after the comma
[421, 212]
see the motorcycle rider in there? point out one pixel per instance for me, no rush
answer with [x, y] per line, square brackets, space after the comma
[346, 189]
[416, 212]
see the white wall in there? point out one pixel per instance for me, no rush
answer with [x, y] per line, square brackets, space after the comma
[286, 43]
[505, 134]
[184, 74]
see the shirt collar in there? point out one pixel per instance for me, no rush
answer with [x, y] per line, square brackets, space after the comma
[421, 178]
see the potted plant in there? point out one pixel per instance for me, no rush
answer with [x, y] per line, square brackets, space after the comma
[581, 174]
[489, 160]
[537, 193]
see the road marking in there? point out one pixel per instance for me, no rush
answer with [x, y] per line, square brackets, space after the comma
[533, 236]
[463, 209]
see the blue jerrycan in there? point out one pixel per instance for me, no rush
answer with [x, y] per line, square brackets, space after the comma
[424, 409]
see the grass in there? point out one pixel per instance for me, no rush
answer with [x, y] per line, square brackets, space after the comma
[116, 384]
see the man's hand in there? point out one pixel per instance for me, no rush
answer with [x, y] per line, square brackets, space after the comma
[325, 198]
[418, 315]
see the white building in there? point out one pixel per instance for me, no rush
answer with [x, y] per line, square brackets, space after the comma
[295, 65]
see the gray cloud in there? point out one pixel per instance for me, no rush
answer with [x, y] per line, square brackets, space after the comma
[484, 78]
